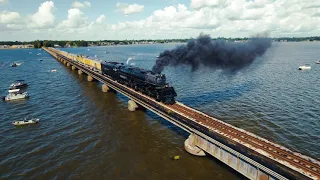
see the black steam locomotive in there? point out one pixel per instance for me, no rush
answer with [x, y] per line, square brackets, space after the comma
[144, 81]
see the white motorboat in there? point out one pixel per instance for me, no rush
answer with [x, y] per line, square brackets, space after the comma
[15, 64]
[318, 62]
[26, 122]
[15, 94]
[18, 84]
[53, 70]
[305, 67]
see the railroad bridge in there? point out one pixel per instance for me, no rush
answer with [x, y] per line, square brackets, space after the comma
[252, 156]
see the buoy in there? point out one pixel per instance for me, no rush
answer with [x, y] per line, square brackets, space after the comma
[176, 157]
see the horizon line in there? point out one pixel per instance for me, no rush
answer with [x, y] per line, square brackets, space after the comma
[301, 37]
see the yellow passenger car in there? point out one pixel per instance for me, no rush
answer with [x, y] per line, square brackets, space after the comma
[63, 53]
[93, 63]
[80, 59]
[71, 56]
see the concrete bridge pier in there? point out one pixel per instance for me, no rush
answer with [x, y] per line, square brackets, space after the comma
[64, 62]
[80, 72]
[190, 147]
[105, 88]
[73, 67]
[132, 106]
[90, 78]
[68, 64]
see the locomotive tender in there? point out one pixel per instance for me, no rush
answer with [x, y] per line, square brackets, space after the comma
[145, 81]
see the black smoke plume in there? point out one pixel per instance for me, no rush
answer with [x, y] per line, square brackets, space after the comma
[218, 54]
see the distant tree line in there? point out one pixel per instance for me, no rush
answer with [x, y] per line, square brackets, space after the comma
[49, 43]
[10, 43]
[297, 39]
[82, 43]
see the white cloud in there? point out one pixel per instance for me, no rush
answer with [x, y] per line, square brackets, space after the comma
[257, 4]
[312, 4]
[174, 17]
[129, 8]
[3, 2]
[76, 19]
[44, 17]
[100, 19]
[10, 21]
[196, 4]
[79, 5]
[87, 3]
[9, 17]
[227, 18]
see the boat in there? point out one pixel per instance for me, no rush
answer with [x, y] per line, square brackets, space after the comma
[14, 64]
[39, 54]
[305, 67]
[318, 62]
[26, 122]
[15, 94]
[53, 70]
[18, 84]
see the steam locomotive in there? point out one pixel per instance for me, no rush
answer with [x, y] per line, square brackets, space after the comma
[144, 81]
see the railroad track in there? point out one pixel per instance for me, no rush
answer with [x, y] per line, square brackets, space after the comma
[277, 152]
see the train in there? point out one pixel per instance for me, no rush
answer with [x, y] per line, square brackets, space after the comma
[144, 81]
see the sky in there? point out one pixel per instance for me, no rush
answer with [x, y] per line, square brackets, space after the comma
[26, 20]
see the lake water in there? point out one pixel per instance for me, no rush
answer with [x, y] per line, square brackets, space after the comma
[85, 133]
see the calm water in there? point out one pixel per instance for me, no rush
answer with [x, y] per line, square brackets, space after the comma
[85, 133]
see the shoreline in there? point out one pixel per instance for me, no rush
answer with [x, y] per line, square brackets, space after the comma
[13, 48]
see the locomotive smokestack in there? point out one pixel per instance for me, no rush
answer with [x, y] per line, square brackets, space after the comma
[213, 53]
